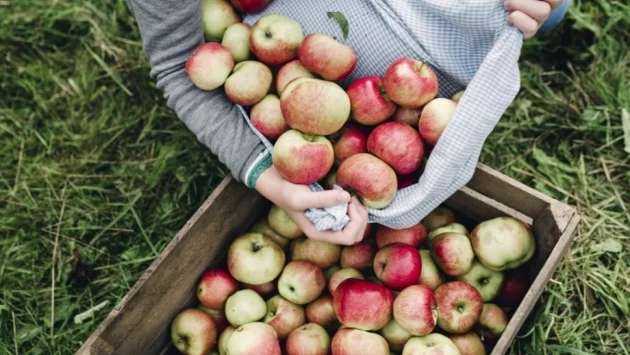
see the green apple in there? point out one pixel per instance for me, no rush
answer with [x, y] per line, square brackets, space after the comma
[193, 332]
[245, 306]
[503, 243]
[487, 281]
[255, 259]
[430, 275]
[236, 40]
[434, 343]
[217, 16]
[451, 227]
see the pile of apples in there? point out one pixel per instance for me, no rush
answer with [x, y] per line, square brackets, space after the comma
[434, 288]
[369, 138]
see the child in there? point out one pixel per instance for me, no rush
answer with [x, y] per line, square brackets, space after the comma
[172, 29]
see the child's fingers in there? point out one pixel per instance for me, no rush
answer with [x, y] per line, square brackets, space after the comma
[526, 24]
[536, 9]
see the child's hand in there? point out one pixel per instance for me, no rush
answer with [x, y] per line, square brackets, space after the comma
[529, 15]
[295, 199]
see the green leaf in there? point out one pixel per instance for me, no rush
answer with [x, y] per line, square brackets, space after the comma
[625, 123]
[341, 20]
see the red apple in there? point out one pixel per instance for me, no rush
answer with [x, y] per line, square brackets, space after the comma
[410, 116]
[363, 304]
[398, 265]
[439, 217]
[431, 344]
[408, 179]
[254, 339]
[301, 282]
[436, 115]
[356, 341]
[209, 66]
[281, 223]
[262, 226]
[250, 6]
[398, 145]
[321, 311]
[503, 243]
[193, 332]
[513, 291]
[395, 335]
[275, 39]
[358, 256]
[266, 116]
[410, 83]
[492, 321]
[249, 83]
[255, 259]
[341, 275]
[370, 105]
[431, 275]
[452, 253]
[415, 310]
[468, 344]
[219, 317]
[309, 339]
[291, 70]
[284, 316]
[459, 306]
[214, 287]
[264, 290]
[320, 253]
[370, 178]
[326, 56]
[302, 158]
[352, 140]
[413, 236]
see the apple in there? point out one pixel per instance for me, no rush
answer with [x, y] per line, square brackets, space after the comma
[193, 332]
[370, 178]
[236, 40]
[355, 341]
[262, 226]
[398, 145]
[352, 140]
[275, 39]
[330, 179]
[451, 227]
[488, 282]
[410, 83]
[209, 66]
[435, 116]
[457, 96]
[503, 243]
[410, 116]
[255, 259]
[359, 256]
[309, 339]
[468, 344]
[415, 310]
[249, 83]
[320, 253]
[217, 16]
[369, 103]
[452, 253]
[264, 290]
[398, 265]
[301, 282]
[413, 235]
[363, 304]
[341, 275]
[459, 306]
[395, 335]
[218, 315]
[431, 275]
[284, 316]
[254, 339]
[289, 71]
[266, 116]
[327, 57]
[214, 287]
[315, 106]
[281, 223]
[223, 339]
[244, 306]
[331, 271]
[439, 217]
[302, 158]
[250, 6]
[431, 344]
[408, 179]
[492, 321]
[513, 290]
[321, 311]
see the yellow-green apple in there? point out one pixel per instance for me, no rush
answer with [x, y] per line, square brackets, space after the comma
[266, 116]
[302, 158]
[363, 304]
[431, 275]
[492, 321]
[415, 310]
[359, 256]
[413, 235]
[244, 306]
[459, 306]
[255, 259]
[410, 83]
[352, 140]
[488, 282]
[223, 339]
[217, 16]
[219, 317]
[330, 179]
[451, 227]
[262, 226]
[439, 217]
[395, 335]
[301, 282]
[327, 57]
[355, 341]
[209, 66]
[398, 145]
[284, 316]
[513, 290]
[281, 223]
[370, 178]
[315, 106]
[410, 116]
[309, 339]
[264, 290]
[321, 311]
[435, 116]
[193, 332]
[457, 96]
[369, 102]
[214, 287]
[431, 344]
[398, 265]
[289, 71]
[320, 253]
[254, 339]
[343, 274]
[275, 39]
[249, 83]
[236, 40]
[452, 253]
[503, 243]
[331, 271]
[468, 344]
[250, 6]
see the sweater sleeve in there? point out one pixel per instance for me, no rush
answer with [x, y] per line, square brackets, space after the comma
[171, 30]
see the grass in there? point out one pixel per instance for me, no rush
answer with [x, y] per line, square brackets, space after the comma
[96, 170]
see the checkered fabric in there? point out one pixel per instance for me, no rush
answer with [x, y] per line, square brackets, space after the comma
[468, 43]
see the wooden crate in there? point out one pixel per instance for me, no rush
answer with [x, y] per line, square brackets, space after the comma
[140, 323]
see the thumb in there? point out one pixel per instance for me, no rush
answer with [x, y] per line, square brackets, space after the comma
[328, 198]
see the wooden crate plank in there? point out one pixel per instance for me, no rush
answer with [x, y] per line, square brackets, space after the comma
[479, 207]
